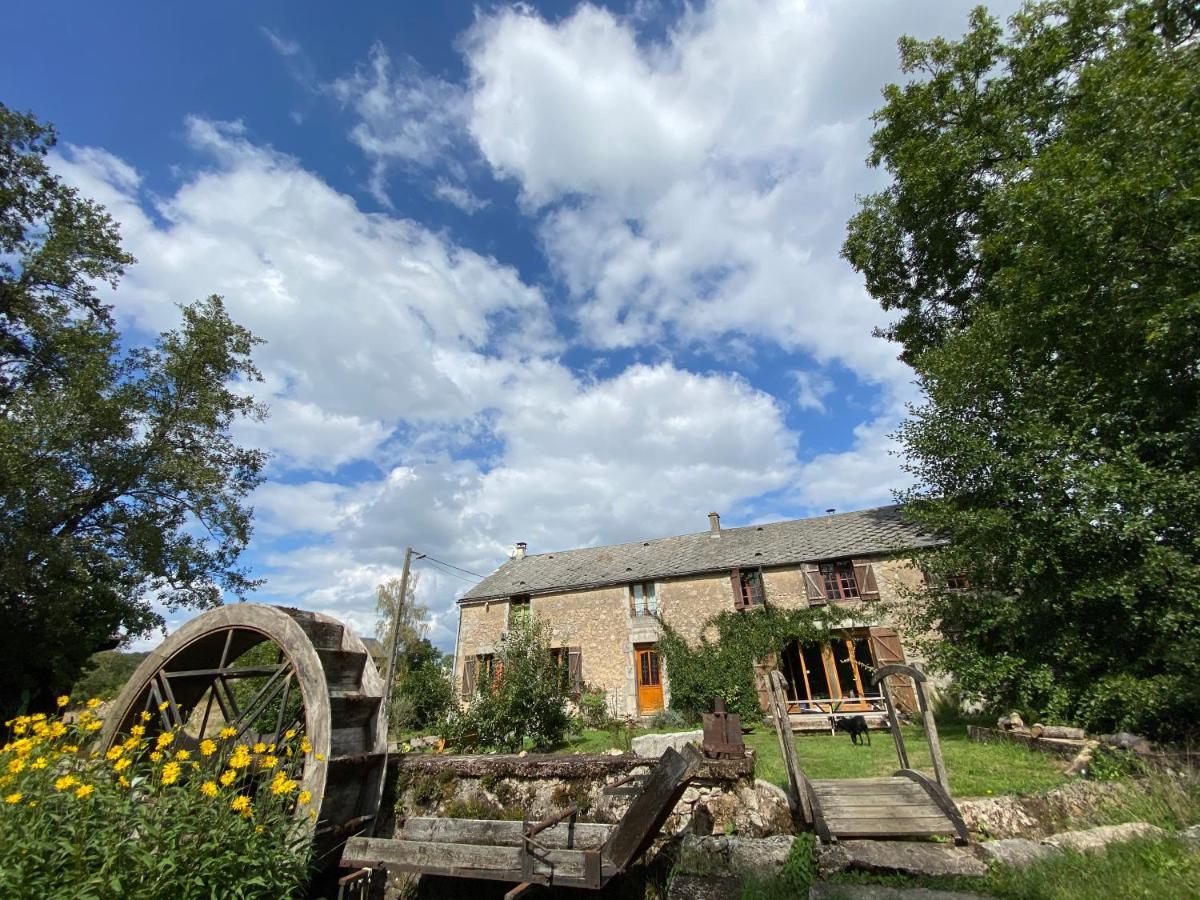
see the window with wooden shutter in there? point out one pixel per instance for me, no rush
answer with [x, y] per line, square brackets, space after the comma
[864, 576]
[886, 646]
[839, 580]
[735, 578]
[814, 588]
[468, 681]
[575, 670]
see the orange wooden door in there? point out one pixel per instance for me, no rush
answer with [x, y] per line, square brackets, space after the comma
[649, 679]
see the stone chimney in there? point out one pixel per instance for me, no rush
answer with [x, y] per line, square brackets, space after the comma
[714, 524]
[519, 550]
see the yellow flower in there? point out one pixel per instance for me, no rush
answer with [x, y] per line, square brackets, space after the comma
[63, 701]
[41, 729]
[83, 790]
[258, 829]
[209, 789]
[170, 773]
[137, 730]
[240, 757]
[16, 766]
[93, 726]
[15, 796]
[155, 756]
[162, 706]
[227, 777]
[121, 764]
[207, 748]
[64, 782]
[37, 717]
[123, 781]
[86, 715]
[269, 762]
[93, 703]
[305, 746]
[114, 752]
[304, 798]
[183, 754]
[144, 716]
[289, 734]
[260, 747]
[320, 757]
[130, 744]
[165, 740]
[70, 748]
[240, 803]
[39, 763]
[20, 728]
[283, 785]
[227, 733]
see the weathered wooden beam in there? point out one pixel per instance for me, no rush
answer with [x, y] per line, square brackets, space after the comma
[581, 836]
[570, 868]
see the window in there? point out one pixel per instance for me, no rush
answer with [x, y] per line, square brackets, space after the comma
[479, 670]
[748, 588]
[642, 601]
[958, 582]
[518, 610]
[839, 580]
[568, 667]
[839, 669]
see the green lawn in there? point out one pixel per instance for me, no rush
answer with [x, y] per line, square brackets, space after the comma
[976, 769]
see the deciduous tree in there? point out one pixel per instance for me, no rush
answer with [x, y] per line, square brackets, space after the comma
[1039, 245]
[120, 483]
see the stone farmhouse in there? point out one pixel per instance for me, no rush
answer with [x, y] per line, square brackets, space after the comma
[603, 605]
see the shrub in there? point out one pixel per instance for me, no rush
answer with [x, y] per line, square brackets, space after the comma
[669, 718]
[593, 707]
[148, 820]
[526, 699]
[427, 696]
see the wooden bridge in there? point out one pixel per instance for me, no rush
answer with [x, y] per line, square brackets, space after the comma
[907, 805]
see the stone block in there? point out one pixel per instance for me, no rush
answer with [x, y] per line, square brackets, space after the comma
[732, 855]
[897, 857]
[696, 887]
[1092, 839]
[1015, 852]
[655, 745]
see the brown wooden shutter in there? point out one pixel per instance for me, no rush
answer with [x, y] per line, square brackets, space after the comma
[575, 670]
[814, 585]
[736, 578]
[886, 646]
[468, 682]
[864, 576]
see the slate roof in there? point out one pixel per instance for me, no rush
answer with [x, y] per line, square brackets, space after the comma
[860, 533]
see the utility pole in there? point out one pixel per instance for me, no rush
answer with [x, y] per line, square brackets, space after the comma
[391, 645]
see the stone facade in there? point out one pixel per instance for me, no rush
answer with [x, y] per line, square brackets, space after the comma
[600, 621]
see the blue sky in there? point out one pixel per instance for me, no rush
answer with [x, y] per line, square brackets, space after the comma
[559, 273]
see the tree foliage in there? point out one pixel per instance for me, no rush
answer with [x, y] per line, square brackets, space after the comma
[524, 697]
[120, 484]
[1040, 246]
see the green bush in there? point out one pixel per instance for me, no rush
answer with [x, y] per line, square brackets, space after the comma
[725, 667]
[428, 695]
[593, 707]
[149, 819]
[525, 700]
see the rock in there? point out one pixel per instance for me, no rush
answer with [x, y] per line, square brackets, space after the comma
[903, 857]
[1191, 835]
[774, 807]
[695, 887]
[1092, 839]
[823, 891]
[1126, 741]
[731, 855]
[656, 744]
[1015, 852]
[1011, 722]
[616, 751]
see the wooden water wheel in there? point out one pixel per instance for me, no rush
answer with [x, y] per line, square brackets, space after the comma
[263, 670]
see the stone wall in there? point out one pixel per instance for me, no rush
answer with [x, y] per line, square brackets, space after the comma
[725, 799]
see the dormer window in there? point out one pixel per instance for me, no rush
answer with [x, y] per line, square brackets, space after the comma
[642, 599]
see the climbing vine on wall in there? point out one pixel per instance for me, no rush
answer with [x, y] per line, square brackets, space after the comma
[724, 665]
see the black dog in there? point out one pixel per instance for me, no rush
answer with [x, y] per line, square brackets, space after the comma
[855, 726]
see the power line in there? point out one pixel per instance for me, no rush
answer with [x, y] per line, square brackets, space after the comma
[441, 567]
[451, 566]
